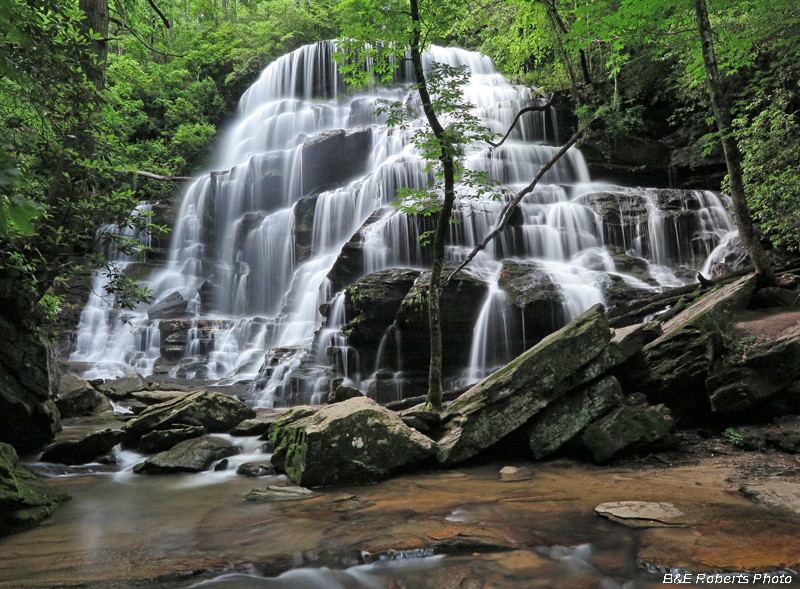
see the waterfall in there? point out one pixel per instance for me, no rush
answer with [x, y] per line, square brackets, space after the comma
[299, 207]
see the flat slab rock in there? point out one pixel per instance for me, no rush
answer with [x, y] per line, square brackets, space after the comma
[775, 494]
[274, 493]
[642, 514]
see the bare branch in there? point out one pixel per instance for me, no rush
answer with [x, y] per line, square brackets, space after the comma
[535, 108]
[505, 214]
[157, 177]
[159, 13]
[123, 27]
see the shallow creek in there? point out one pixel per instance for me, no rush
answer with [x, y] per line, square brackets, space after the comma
[460, 528]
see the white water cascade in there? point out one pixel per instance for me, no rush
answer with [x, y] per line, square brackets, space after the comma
[300, 207]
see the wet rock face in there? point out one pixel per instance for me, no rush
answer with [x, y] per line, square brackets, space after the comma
[576, 354]
[461, 301]
[303, 229]
[29, 417]
[24, 499]
[371, 306]
[634, 424]
[173, 305]
[193, 455]
[530, 289]
[334, 157]
[349, 264]
[215, 412]
[353, 442]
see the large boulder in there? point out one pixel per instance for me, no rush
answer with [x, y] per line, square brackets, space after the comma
[24, 499]
[77, 398]
[565, 418]
[85, 450]
[29, 418]
[634, 424]
[214, 411]
[352, 442]
[502, 402]
[193, 455]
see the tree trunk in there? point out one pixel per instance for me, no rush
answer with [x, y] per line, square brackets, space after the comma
[733, 158]
[97, 21]
[446, 157]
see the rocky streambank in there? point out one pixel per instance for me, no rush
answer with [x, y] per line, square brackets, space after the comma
[721, 367]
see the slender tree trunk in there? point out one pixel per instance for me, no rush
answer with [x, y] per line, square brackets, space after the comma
[97, 21]
[446, 157]
[733, 158]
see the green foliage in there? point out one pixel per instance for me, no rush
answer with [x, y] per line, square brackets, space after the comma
[733, 437]
[769, 138]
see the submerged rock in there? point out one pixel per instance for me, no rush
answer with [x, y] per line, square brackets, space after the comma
[256, 469]
[193, 455]
[355, 441]
[780, 494]
[77, 398]
[86, 450]
[634, 424]
[642, 514]
[274, 493]
[505, 400]
[214, 411]
[24, 499]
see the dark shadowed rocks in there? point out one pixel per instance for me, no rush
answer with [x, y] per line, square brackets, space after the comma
[77, 398]
[29, 418]
[632, 425]
[123, 386]
[565, 418]
[161, 440]
[85, 450]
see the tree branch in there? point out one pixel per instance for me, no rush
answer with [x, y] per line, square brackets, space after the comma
[159, 13]
[123, 27]
[535, 108]
[509, 207]
[158, 177]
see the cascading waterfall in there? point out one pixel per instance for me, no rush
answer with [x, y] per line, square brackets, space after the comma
[308, 173]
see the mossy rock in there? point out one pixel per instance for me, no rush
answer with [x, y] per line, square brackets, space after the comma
[24, 499]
